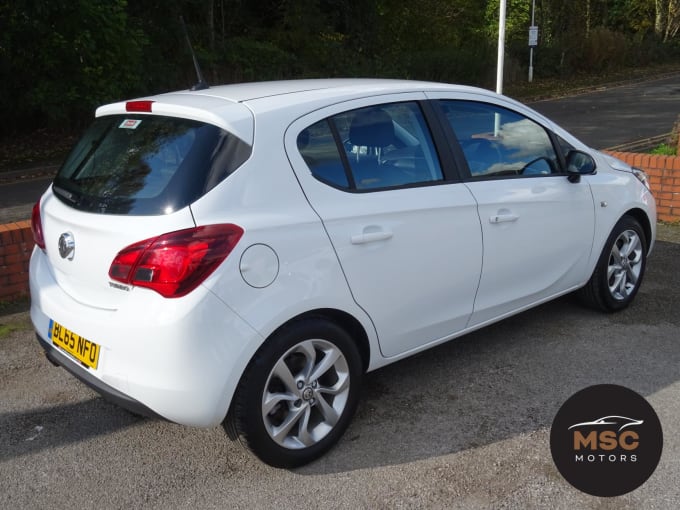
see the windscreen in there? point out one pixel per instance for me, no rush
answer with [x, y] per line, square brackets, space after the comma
[146, 165]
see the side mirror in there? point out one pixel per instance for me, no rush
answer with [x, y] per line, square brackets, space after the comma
[579, 163]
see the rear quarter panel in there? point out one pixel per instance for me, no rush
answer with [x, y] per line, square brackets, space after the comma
[265, 199]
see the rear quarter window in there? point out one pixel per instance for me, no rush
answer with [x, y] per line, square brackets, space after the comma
[146, 165]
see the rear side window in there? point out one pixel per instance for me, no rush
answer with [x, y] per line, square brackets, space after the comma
[146, 165]
[377, 147]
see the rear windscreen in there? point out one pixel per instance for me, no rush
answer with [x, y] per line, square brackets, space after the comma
[146, 165]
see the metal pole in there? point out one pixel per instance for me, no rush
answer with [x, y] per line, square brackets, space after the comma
[531, 49]
[501, 47]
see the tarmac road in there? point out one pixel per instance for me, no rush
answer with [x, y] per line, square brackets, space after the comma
[618, 115]
[465, 425]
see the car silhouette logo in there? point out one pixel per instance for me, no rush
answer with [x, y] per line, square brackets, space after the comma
[620, 421]
[67, 246]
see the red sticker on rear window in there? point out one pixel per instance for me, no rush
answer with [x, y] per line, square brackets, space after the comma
[130, 124]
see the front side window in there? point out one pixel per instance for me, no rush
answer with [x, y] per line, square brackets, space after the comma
[497, 142]
[376, 147]
[146, 165]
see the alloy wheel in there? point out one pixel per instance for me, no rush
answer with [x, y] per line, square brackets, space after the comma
[625, 264]
[305, 394]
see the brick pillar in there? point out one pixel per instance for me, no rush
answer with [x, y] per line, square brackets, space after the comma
[16, 246]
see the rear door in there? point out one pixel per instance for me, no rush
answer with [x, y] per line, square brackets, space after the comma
[407, 237]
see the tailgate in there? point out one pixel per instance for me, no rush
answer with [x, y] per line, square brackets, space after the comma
[83, 271]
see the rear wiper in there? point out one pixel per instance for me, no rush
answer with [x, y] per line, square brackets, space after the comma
[64, 193]
[95, 145]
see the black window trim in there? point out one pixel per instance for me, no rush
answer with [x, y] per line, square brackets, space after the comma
[343, 154]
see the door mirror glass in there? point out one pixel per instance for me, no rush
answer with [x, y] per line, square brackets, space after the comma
[580, 163]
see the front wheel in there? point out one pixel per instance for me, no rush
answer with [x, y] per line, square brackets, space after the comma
[619, 271]
[298, 394]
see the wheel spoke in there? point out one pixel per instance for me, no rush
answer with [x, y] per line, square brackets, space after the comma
[341, 385]
[612, 270]
[309, 351]
[632, 244]
[331, 356]
[271, 400]
[616, 284]
[283, 373]
[279, 433]
[304, 435]
[622, 286]
[330, 415]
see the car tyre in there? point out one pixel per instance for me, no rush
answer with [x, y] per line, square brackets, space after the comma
[298, 394]
[620, 268]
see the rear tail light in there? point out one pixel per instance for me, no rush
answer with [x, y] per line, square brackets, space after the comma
[36, 226]
[176, 263]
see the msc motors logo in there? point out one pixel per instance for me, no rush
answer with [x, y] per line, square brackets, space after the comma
[606, 440]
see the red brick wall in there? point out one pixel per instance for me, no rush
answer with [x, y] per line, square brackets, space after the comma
[664, 179]
[16, 245]
[16, 240]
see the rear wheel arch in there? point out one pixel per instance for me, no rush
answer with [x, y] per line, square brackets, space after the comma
[347, 322]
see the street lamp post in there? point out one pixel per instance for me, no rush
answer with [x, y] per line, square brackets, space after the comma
[533, 40]
[501, 47]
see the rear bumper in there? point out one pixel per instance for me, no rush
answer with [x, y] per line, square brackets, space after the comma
[180, 359]
[109, 393]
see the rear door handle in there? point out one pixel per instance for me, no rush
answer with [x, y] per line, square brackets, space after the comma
[503, 218]
[371, 237]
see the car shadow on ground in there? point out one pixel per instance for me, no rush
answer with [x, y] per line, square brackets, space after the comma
[28, 432]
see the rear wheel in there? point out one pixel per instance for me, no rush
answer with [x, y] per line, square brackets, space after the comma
[619, 271]
[298, 394]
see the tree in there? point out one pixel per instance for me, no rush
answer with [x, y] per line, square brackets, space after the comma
[65, 57]
[667, 21]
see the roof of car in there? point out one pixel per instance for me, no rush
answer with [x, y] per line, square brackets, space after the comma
[299, 90]
[232, 106]
[241, 92]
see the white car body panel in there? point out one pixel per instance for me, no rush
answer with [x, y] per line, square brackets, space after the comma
[538, 234]
[615, 193]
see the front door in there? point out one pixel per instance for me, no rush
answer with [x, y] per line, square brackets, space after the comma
[537, 226]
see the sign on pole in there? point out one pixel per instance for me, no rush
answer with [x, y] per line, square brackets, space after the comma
[533, 36]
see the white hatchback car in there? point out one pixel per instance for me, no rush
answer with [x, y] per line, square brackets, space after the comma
[244, 253]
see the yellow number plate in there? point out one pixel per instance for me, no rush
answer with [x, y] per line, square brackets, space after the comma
[83, 350]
